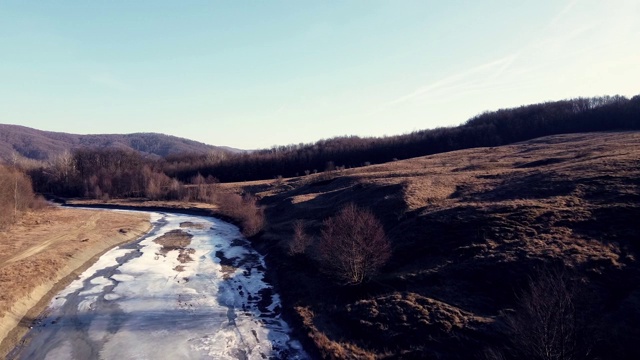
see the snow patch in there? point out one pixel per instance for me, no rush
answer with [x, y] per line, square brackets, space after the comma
[145, 308]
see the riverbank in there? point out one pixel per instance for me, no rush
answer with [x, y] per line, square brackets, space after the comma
[269, 249]
[191, 288]
[45, 252]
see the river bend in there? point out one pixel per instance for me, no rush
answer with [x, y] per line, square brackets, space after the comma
[152, 299]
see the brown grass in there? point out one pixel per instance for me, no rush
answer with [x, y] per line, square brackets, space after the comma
[173, 240]
[45, 251]
[467, 227]
[177, 240]
[330, 349]
[192, 225]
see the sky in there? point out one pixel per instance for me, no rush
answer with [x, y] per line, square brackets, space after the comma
[253, 74]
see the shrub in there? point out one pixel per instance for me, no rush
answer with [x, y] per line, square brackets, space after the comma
[353, 246]
[16, 194]
[300, 241]
[244, 209]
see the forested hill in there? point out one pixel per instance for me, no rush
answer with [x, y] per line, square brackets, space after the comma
[502, 127]
[42, 145]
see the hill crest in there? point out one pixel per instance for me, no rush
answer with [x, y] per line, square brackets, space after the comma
[42, 145]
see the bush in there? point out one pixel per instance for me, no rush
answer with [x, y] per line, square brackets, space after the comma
[353, 246]
[300, 241]
[244, 209]
[16, 194]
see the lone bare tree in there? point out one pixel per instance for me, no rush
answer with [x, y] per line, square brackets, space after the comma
[301, 240]
[353, 246]
[548, 324]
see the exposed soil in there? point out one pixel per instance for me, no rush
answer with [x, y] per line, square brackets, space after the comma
[177, 240]
[47, 250]
[173, 240]
[192, 225]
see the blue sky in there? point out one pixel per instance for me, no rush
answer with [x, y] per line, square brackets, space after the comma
[252, 74]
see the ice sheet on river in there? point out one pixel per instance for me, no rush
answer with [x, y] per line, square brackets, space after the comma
[138, 302]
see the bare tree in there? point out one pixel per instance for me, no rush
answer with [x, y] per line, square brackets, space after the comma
[353, 245]
[301, 240]
[547, 324]
[16, 174]
[16, 194]
[243, 208]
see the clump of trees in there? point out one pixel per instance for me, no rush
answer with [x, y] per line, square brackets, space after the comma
[243, 208]
[106, 173]
[113, 173]
[353, 245]
[16, 194]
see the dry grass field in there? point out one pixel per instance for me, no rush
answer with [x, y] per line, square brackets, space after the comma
[48, 249]
[469, 229]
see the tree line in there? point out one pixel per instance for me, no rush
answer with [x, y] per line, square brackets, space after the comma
[104, 173]
[493, 128]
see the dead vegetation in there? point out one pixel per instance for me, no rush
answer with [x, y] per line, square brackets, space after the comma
[244, 209]
[16, 195]
[44, 251]
[301, 240]
[353, 246]
[467, 228]
[192, 225]
[173, 240]
[177, 240]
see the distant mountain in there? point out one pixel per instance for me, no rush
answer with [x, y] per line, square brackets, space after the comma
[42, 145]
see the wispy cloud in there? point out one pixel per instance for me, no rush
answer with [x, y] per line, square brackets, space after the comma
[577, 32]
[560, 15]
[280, 109]
[479, 76]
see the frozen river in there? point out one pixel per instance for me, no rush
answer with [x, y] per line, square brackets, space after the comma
[191, 289]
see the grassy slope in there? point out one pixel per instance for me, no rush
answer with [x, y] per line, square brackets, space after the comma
[468, 228]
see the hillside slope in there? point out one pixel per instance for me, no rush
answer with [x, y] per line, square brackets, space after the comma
[492, 128]
[42, 145]
[470, 229]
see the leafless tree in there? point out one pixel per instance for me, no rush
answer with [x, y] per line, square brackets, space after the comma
[547, 324]
[301, 240]
[16, 194]
[353, 245]
[243, 208]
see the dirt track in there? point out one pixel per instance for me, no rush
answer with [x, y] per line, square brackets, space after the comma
[45, 251]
